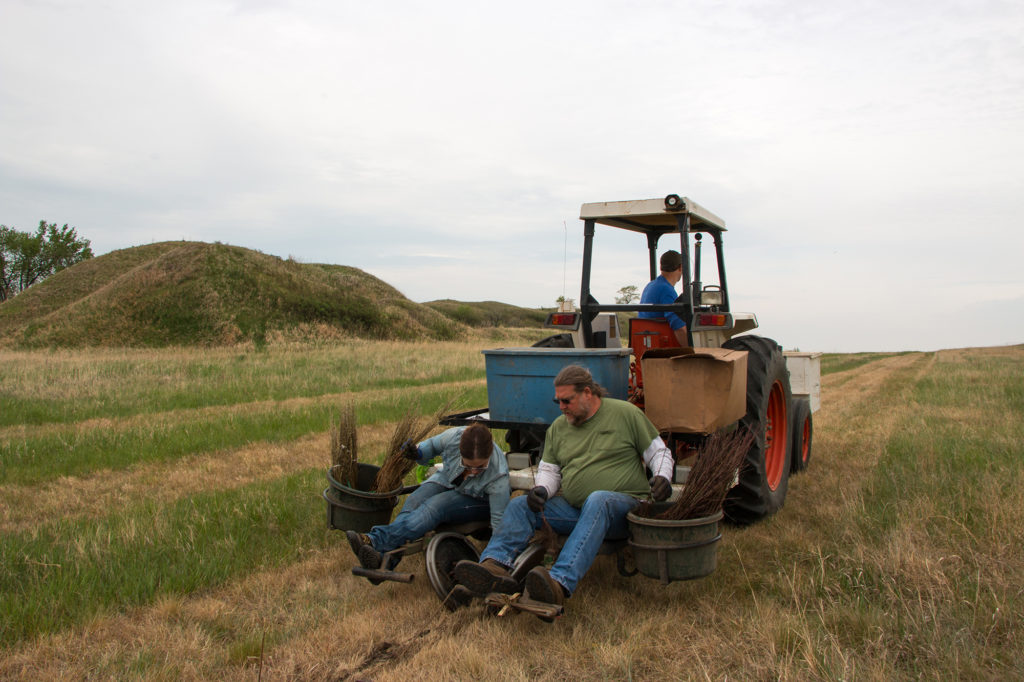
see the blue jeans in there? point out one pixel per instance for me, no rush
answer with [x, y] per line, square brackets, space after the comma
[603, 515]
[428, 506]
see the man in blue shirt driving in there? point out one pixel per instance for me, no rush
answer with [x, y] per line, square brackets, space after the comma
[663, 290]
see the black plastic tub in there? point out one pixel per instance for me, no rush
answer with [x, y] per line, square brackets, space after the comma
[358, 508]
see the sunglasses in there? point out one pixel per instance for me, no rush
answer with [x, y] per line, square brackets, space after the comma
[564, 401]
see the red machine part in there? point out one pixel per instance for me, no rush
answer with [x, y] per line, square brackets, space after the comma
[645, 334]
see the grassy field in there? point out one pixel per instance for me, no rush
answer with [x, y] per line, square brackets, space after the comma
[161, 518]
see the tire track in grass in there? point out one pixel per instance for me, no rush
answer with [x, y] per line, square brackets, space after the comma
[57, 577]
[787, 561]
[860, 408]
[24, 431]
[39, 454]
[94, 496]
[310, 620]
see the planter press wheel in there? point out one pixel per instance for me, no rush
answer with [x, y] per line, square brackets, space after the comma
[532, 556]
[444, 551]
[803, 435]
[764, 476]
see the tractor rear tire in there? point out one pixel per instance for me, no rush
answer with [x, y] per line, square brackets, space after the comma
[764, 475]
[803, 434]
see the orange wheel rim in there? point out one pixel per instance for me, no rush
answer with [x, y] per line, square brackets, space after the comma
[806, 443]
[775, 459]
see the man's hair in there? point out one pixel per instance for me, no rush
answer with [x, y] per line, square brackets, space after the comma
[579, 378]
[476, 442]
[671, 261]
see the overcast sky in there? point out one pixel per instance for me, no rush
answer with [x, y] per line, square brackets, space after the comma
[868, 158]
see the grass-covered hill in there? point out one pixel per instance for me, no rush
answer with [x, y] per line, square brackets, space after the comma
[489, 313]
[194, 293]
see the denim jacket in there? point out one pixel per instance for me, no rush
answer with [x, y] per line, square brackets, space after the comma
[492, 483]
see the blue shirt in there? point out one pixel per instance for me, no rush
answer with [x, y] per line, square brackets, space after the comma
[660, 291]
[492, 483]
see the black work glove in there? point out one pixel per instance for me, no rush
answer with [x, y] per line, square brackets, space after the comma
[410, 450]
[536, 498]
[660, 488]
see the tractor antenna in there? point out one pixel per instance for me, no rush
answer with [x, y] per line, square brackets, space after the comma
[565, 248]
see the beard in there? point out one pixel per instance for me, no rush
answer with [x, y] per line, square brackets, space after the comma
[577, 416]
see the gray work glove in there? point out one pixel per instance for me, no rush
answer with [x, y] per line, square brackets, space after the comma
[536, 498]
[660, 488]
[410, 450]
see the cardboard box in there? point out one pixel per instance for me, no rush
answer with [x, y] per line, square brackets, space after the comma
[694, 390]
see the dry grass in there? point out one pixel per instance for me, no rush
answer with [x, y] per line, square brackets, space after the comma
[833, 587]
[93, 495]
[90, 497]
[156, 379]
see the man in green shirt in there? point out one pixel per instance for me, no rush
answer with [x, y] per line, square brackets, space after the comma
[594, 454]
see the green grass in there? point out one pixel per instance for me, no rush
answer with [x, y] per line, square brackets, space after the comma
[70, 451]
[490, 313]
[841, 362]
[950, 481]
[61, 388]
[930, 455]
[58, 576]
[897, 555]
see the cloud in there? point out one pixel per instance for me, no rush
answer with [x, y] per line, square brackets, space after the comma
[863, 156]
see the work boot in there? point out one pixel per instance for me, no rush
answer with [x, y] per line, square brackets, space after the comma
[369, 557]
[458, 597]
[484, 577]
[540, 586]
[357, 540]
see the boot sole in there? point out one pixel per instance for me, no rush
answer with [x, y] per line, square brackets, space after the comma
[541, 587]
[482, 582]
[369, 557]
[354, 541]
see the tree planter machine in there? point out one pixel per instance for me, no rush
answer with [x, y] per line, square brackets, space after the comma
[726, 377]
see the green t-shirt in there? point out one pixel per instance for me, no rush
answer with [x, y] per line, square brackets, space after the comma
[603, 453]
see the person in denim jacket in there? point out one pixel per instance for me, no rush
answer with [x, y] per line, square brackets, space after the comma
[472, 485]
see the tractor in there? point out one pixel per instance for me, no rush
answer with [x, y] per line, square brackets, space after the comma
[689, 390]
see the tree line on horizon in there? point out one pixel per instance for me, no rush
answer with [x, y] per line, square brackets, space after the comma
[28, 258]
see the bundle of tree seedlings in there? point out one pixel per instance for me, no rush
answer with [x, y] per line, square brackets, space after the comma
[711, 476]
[409, 428]
[344, 456]
[396, 466]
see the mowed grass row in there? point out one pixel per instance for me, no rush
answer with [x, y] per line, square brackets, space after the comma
[923, 577]
[952, 482]
[62, 575]
[841, 362]
[43, 454]
[894, 557]
[72, 386]
[61, 572]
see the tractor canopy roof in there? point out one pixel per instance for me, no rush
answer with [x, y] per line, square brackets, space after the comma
[653, 215]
